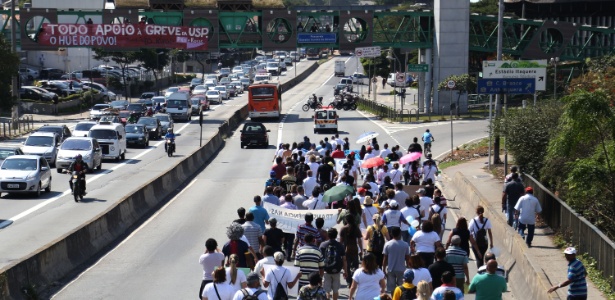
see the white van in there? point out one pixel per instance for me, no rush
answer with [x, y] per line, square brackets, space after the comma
[111, 138]
[262, 78]
[325, 120]
[179, 106]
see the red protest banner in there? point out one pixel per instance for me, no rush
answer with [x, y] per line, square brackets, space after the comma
[121, 36]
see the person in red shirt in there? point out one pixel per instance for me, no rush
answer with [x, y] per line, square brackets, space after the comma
[338, 153]
[279, 167]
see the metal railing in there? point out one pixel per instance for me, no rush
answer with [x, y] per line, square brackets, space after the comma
[576, 229]
[9, 129]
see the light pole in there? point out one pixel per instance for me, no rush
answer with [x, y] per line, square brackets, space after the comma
[554, 61]
[392, 57]
[158, 68]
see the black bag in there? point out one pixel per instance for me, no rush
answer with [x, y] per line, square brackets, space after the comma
[376, 242]
[481, 234]
[280, 292]
[333, 260]
[407, 294]
[247, 296]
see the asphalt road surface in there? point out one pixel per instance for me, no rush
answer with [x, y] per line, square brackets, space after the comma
[159, 260]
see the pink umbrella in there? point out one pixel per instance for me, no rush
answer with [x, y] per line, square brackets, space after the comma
[410, 157]
[372, 162]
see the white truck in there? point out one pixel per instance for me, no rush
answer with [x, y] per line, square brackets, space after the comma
[340, 68]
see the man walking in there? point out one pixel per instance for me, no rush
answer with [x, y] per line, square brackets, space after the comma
[439, 267]
[254, 234]
[490, 285]
[303, 230]
[513, 190]
[448, 284]
[335, 263]
[396, 256]
[526, 209]
[458, 258]
[576, 277]
[261, 216]
[309, 259]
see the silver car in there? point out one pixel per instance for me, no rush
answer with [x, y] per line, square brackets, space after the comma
[97, 111]
[86, 146]
[165, 121]
[42, 144]
[25, 174]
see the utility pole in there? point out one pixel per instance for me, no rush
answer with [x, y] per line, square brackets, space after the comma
[498, 98]
[14, 83]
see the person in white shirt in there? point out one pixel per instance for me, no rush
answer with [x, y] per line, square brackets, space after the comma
[309, 183]
[429, 172]
[396, 175]
[338, 140]
[254, 287]
[369, 154]
[441, 210]
[382, 172]
[385, 152]
[236, 278]
[400, 194]
[526, 209]
[219, 289]
[410, 210]
[313, 165]
[315, 202]
[267, 260]
[210, 260]
[279, 274]
[426, 203]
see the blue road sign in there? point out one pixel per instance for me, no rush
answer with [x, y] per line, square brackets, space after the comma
[316, 38]
[507, 86]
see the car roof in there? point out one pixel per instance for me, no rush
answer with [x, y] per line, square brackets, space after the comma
[166, 115]
[79, 138]
[87, 122]
[23, 156]
[52, 126]
[253, 124]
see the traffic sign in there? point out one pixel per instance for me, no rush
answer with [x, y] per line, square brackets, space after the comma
[507, 86]
[450, 84]
[536, 69]
[367, 51]
[418, 68]
[400, 77]
[316, 38]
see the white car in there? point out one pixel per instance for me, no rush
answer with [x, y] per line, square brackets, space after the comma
[359, 78]
[82, 128]
[199, 90]
[170, 91]
[42, 144]
[238, 86]
[223, 92]
[273, 68]
[30, 73]
[237, 69]
[213, 96]
[25, 174]
[86, 146]
[105, 94]
[98, 110]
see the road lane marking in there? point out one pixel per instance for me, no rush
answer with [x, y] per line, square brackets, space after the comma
[92, 179]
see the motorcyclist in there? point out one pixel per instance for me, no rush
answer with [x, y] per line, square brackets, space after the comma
[132, 119]
[80, 166]
[158, 107]
[149, 112]
[170, 136]
[427, 140]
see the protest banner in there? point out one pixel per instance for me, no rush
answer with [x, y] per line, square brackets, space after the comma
[289, 219]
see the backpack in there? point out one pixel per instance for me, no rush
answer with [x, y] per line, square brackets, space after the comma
[481, 234]
[407, 294]
[376, 242]
[280, 292]
[333, 260]
[247, 296]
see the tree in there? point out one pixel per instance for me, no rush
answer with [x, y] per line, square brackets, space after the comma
[154, 60]
[10, 68]
[485, 7]
[122, 58]
[464, 83]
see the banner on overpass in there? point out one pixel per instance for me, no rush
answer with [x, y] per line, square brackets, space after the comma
[289, 219]
[122, 36]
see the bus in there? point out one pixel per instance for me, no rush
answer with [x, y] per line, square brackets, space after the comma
[313, 53]
[264, 101]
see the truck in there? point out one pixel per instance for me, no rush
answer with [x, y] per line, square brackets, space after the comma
[340, 68]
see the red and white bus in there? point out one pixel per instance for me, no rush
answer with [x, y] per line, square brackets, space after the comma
[264, 101]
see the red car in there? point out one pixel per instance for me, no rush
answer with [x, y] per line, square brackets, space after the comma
[203, 103]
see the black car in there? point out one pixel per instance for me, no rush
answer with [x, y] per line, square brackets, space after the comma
[136, 135]
[147, 95]
[137, 108]
[51, 73]
[254, 133]
[7, 151]
[33, 94]
[153, 127]
[61, 131]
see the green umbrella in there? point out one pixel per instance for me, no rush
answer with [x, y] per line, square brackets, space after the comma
[338, 192]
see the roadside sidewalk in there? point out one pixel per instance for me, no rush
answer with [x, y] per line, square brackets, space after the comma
[531, 271]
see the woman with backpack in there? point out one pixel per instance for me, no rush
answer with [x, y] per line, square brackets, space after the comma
[376, 236]
[461, 230]
[437, 215]
[479, 228]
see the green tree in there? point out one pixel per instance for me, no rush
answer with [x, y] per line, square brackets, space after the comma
[8, 69]
[528, 131]
[122, 58]
[485, 7]
[581, 157]
[154, 60]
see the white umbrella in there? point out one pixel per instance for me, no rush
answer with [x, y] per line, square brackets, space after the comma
[367, 136]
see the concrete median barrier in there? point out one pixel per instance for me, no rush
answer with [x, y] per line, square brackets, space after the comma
[49, 264]
[525, 279]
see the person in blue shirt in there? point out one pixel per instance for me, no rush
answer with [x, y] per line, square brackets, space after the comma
[427, 139]
[169, 136]
[158, 107]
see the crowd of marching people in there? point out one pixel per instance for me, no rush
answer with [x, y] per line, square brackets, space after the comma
[389, 242]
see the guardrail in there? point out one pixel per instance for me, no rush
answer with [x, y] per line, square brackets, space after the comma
[8, 128]
[578, 230]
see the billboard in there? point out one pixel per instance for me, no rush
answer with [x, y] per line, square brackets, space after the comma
[510, 69]
[123, 36]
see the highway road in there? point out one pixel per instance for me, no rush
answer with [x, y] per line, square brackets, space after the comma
[159, 260]
[30, 223]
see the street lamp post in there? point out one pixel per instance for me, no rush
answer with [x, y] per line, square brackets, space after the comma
[391, 56]
[158, 68]
[554, 61]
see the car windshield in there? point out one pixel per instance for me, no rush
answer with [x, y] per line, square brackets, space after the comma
[220, 88]
[135, 107]
[118, 103]
[21, 164]
[76, 145]
[84, 126]
[134, 129]
[253, 128]
[158, 99]
[196, 80]
[196, 101]
[163, 118]
[6, 153]
[172, 89]
[57, 130]
[212, 93]
[272, 65]
[100, 106]
[175, 103]
[103, 134]
[200, 88]
[147, 121]
[39, 141]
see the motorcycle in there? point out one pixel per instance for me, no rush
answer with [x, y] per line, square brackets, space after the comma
[170, 147]
[77, 181]
[313, 103]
